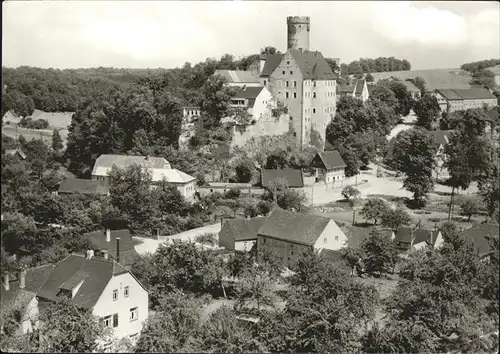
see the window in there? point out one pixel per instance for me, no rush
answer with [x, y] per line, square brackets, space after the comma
[288, 63]
[314, 83]
[325, 240]
[286, 94]
[314, 110]
[336, 238]
[295, 95]
[107, 321]
[115, 294]
[133, 336]
[115, 320]
[126, 291]
[283, 72]
[294, 134]
[291, 118]
[295, 84]
[314, 94]
[291, 72]
[265, 82]
[291, 252]
[133, 314]
[286, 83]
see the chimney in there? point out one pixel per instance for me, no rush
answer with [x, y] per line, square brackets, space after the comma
[108, 235]
[6, 281]
[105, 254]
[118, 249]
[22, 279]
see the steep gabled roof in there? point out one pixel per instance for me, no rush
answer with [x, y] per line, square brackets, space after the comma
[172, 175]
[99, 271]
[248, 92]
[272, 62]
[424, 235]
[294, 227]
[238, 76]
[404, 234]
[479, 236]
[12, 152]
[312, 65]
[243, 230]
[295, 177]
[410, 86]
[83, 186]
[328, 159]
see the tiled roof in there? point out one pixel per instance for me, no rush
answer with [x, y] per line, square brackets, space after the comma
[466, 94]
[404, 234]
[243, 230]
[99, 271]
[346, 88]
[104, 163]
[423, 235]
[295, 177]
[248, 92]
[172, 175]
[272, 62]
[434, 78]
[312, 65]
[479, 235]
[294, 227]
[328, 159]
[410, 86]
[360, 84]
[238, 76]
[19, 298]
[84, 186]
[440, 136]
[127, 249]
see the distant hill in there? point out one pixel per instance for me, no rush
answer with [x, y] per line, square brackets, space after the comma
[454, 78]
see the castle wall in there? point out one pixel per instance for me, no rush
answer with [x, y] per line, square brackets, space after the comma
[324, 105]
[298, 32]
[267, 126]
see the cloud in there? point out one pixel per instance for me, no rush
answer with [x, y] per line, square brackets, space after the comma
[167, 34]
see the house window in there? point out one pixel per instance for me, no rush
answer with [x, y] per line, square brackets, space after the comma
[133, 336]
[294, 134]
[325, 240]
[107, 321]
[115, 294]
[291, 118]
[291, 72]
[295, 95]
[291, 252]
[115, 320]
[133, 314]
[314, 94]
[287, 63]
[265, 82]
[126, 291]
[336, 238]
[286, 94]
[283, 72]
[286, 83]
[314, 83]
[314, 110]
[295, 84]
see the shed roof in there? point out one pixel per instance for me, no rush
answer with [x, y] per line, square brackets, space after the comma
[410, 86]
[360, 84]
[84, 186]
[12, 152]
[334, 256]
[100, 271]
[295, 177]
[243, 230]
[294, 227]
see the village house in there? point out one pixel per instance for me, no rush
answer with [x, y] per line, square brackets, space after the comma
[159, 169]
[115, 245]
[257, 101]
[239, 78]
[414, 90]
[462, 99]
[105, 287]
[240, 235]
[190, 112]
[289, 235]
[409, 238]
[329, 167]
[83, 186]
[18, 296]
[293, 177]
[16, 152]
[357, 89]
[441, 140]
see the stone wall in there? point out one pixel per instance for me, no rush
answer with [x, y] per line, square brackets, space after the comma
[268, 126]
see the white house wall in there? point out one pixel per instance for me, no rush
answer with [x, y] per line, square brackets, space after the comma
[332, 238]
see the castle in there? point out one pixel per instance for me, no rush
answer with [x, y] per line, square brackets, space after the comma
[301, 80]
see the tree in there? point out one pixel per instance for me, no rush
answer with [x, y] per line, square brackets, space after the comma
[405, 101]
[215, 100]
[57, 142]
[427, 110]
[374, 209]
[277, 188]
[414, 151]
[269, 50]
[169, 199]
[469, 208]
[291, 199]
[352, 195]
[68, 328]
[380, 255]
[395, 218]
[244, 171]
[256, 289]
[369, 77]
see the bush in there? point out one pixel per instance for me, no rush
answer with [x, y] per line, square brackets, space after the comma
[29, 123]
[207, 239]
[233, 193]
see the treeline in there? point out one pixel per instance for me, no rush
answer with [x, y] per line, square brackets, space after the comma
[479, 65]
[381, 64]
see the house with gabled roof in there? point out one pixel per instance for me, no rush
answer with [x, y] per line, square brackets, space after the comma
[408, 238]
[16, 152]
[329, 167]
[239, 78]
[289, 234]
[240, 235]
[412, 89]
[451, 100]
[294, 177]
[357, 89]
[108, 289]
[480, 237]
[18, 296]
[441, 140]
[254, 100]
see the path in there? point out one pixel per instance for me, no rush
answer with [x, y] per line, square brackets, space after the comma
[149, 245]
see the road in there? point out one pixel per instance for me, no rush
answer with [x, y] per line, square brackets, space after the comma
[149, 245]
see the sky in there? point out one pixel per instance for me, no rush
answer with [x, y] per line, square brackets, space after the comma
[133, 34]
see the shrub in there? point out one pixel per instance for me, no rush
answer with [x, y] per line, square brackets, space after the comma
[233, 193]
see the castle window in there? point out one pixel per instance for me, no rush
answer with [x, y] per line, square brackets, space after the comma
[291, 72]
[115, 320]
[314, 110]
[107, 321]
[294, 134]
[286, 83]
[336, 238]
[283, 72]
[265, 82]
[314, 94]
[286, 94]
[287, 62]
[291, 118]
[325, 240]
[314, 83]
[115, 294]
[295, 95]
[295, 84]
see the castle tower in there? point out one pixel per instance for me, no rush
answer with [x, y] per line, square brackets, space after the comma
[298, 32]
